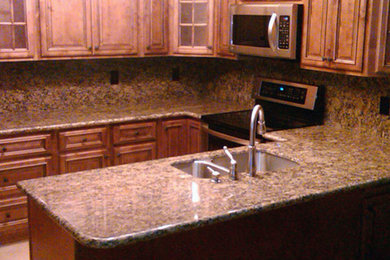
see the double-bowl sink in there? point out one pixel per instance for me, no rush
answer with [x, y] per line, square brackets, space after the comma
[264, 162]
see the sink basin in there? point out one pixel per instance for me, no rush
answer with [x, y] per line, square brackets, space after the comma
[264, 162]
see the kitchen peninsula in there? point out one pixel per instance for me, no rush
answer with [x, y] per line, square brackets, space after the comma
[333, 204]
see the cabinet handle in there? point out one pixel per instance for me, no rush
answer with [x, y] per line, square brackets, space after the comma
[7, 215]
[118, 155]
[148, 47]
[210, 47]
[5, 180]
[4, 149]
[136, 133]
[96, 48]
[84, 140]
[90, 48]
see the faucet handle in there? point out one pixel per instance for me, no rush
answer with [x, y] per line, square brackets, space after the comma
[215, 174]
[261, 129]
[228, 154]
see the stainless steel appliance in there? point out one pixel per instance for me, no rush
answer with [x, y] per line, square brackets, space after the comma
[267, 30]
[286, 105]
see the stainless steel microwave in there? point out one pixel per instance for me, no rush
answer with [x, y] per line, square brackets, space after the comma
[267, 30]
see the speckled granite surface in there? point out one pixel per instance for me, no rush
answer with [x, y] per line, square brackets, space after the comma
[32, 121]
[128, 203]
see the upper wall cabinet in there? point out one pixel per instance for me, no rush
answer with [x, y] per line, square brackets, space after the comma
[16, 29]
[334, 34]
[192, 27]
[155, 22]
[88, 27]
[222, 8]
[383, 62]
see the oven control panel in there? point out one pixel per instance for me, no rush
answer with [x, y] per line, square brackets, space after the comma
[288, 93]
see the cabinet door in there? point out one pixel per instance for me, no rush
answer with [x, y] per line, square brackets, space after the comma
[333, 34]
[156, 17]
[347, 34]
[173, 139]
[73, 162]
[65, 27]
[383, 62]
[376, 228]
[135, 153]
[223, 26]
[194, 136]
[16, 29]
[115, 27]
[193, 27]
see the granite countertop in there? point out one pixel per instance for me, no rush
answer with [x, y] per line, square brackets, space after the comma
[124, 204]
[22, 122]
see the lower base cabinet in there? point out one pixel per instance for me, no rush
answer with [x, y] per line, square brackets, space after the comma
[323, 228]
[135, 153]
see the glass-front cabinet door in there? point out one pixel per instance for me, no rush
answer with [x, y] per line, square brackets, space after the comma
[16, 23]
[193, 27]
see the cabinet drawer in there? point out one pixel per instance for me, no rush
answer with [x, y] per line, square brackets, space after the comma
[135, 153]
[12, 210]
[12, 172]
[10, 192]
[134, 132]
[83, 139]
[26, 145]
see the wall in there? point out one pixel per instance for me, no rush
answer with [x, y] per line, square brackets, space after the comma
[351, 101]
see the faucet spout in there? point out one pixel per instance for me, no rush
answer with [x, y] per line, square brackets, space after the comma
[257, 123]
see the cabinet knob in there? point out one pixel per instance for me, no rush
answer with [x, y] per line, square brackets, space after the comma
[323, 59]
[96, 47]
[118, 155]
[84, 140]
[136, 133]
[210, 47]
[4, 149]
[5, 180]
[90, 48]
[7, 215]
[148, 47]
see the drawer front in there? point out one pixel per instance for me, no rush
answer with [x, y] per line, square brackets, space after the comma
[26, 145]
[10, 192]
[135, 153]
[12, 172]
[83, 139]
[134, 132]
[82, 161]
[12, 210]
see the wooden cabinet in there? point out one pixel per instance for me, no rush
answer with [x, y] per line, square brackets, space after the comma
[223, 27]
[21, 158]
[334, 34]
[192, 27]
[155, 24]
[194, 136]
[134, 142]
[17, 25]
[88, 27]
[173, 140]
[376, 225]
[83, 149]
[383, 62]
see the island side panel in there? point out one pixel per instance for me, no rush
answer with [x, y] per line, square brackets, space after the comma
[47, 239]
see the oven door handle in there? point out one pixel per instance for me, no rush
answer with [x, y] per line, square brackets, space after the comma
[225, 136]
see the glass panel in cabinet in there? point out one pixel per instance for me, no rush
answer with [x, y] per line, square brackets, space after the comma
[19, 11]
[186, 35]
[186, 13]
[20, 37]
[5, 11]
[200, 13]
[6, 37]
[200, 35]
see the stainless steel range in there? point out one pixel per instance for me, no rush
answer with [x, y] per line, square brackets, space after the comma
[286, 105]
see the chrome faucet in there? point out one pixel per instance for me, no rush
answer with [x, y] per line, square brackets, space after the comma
[257, 123]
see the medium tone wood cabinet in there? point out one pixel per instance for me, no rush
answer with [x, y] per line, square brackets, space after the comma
[383, 52]
[223, 27]
[334, 34]
[156, 27]
[21, 158]
[192, 27]
[17, 29]
[88, 27]
[173, 141]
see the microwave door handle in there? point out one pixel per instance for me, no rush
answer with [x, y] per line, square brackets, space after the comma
[272, 32]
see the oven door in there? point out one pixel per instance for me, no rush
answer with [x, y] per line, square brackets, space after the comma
[217, 140]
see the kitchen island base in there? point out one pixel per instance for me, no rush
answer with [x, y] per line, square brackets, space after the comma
[325, 228]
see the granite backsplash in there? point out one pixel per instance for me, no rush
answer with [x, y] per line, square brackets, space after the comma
[56, 85]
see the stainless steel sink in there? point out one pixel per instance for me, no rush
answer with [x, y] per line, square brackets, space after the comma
[264, 162]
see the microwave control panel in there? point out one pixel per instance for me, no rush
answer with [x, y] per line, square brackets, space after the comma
[284, 32]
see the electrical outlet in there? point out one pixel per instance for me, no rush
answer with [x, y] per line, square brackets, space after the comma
[384, 106]
[114, 78]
